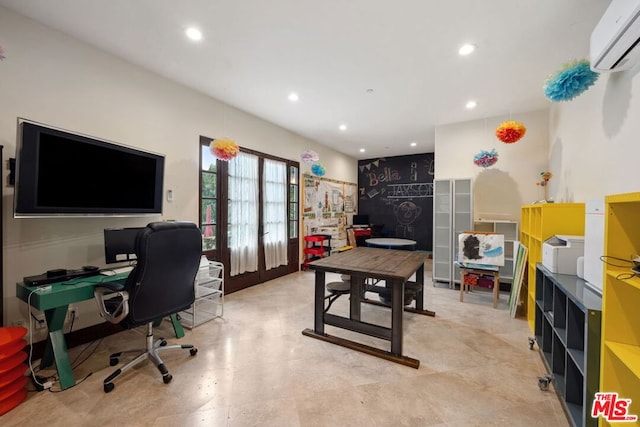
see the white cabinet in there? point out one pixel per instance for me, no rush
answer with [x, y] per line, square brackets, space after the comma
[510, 231]
[452, 215]
[209, 302]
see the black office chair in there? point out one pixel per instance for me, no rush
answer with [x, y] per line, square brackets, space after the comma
[161, 283]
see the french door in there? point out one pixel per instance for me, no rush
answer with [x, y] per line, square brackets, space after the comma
[249, 215]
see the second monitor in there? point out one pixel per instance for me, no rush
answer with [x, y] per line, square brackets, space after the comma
[120, 244]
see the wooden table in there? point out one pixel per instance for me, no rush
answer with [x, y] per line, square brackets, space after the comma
[393, 266]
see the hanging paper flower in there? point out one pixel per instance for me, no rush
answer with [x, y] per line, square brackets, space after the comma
[309, 157]
[224, 148]
[545, 176]
[486, 158]
[570, 81]
[317, 169]
[510, 132]
[2, 53]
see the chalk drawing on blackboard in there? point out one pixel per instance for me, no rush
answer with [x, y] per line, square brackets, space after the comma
[373, 193]
[410, 191]
[406, 214]
[430, 168]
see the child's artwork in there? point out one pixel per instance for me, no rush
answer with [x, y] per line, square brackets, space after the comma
[481, 248]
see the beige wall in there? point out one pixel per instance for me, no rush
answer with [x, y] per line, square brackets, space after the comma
[54, 79]
[595, 140]
[501, 189]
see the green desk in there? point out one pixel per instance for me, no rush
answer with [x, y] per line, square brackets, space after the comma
[55, 303]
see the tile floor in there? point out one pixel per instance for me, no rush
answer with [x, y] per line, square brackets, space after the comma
[255, 368]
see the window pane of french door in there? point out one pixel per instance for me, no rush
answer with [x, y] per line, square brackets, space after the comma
[208, 198]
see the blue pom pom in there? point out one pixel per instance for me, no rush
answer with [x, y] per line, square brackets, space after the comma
[317, 169]
[570, 81]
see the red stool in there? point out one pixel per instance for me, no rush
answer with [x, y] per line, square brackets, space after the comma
[12, 367]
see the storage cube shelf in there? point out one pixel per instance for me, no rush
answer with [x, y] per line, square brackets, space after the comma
[209, 302]
[567, 328]
[538, 222]
[621, 302]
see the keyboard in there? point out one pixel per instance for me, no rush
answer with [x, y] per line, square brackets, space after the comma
[114, 271]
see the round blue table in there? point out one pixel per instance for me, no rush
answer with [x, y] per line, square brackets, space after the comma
[391, 243]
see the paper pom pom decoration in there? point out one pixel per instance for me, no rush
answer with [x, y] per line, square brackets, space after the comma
[224, 148]
[317, 169]
[570, 81]
[309, 157]
[510, 132]
[486, 158]
[545, 176]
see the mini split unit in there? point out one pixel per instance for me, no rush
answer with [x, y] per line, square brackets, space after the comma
[614, 44]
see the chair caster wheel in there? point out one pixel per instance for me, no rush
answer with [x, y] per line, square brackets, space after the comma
[163, 342]
[543, 382]
[108, 387]
[167, 378]
[532, 341]
[193, 351]
[113, 361]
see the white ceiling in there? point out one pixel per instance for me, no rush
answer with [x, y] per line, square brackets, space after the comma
[255, 52]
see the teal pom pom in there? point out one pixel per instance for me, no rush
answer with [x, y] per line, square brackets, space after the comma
[317, 169]
[570, 81]
[486, 158]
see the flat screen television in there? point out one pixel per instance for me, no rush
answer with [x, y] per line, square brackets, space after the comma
[59, 173]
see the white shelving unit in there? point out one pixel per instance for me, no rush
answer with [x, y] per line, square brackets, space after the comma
[209, 303]
[452, 215]
[510, 231]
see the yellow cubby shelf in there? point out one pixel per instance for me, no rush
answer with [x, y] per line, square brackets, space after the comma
[620, 350]
[538, 222]
[618, 376]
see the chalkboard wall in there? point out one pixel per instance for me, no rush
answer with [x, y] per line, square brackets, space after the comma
[397, 193]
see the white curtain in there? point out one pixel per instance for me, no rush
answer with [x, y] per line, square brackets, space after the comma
[243, 213]
[274, 211]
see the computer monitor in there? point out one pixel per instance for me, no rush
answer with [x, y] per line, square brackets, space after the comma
[120, 244]
[361, 220]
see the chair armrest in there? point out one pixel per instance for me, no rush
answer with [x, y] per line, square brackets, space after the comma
[109, 291]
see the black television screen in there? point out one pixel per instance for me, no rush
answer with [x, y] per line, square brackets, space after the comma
[120, 244]
[62, 173]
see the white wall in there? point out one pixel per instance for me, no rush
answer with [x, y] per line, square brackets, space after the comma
[500, 190]
[595, 140]
[54, 79]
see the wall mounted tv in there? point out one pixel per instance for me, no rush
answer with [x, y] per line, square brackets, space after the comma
[59, 173]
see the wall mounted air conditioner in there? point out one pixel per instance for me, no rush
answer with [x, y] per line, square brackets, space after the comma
[615, 41]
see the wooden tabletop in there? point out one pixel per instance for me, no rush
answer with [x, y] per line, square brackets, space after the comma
[373, 262]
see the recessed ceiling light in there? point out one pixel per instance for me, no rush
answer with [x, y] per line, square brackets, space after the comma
[193, 33]
[362, 150]
[413, 144]
[293, 97]
[343, 127]
[471, 105]
[466, 49]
